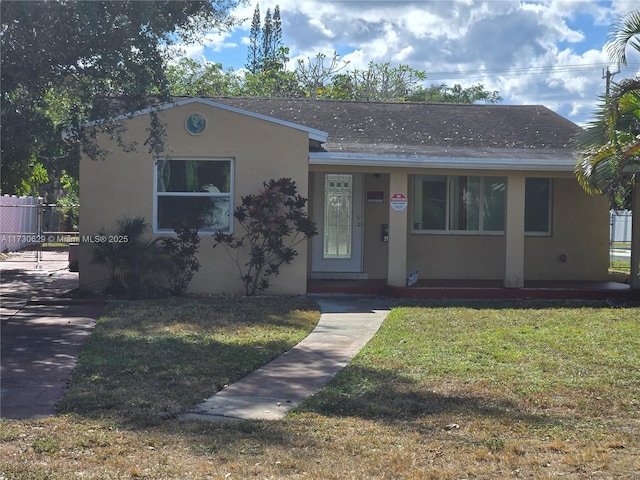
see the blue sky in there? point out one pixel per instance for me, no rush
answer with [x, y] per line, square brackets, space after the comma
[548, 52]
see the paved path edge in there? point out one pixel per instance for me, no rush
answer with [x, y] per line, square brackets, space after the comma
[346, 325]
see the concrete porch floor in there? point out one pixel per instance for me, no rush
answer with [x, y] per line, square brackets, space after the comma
[480, 289]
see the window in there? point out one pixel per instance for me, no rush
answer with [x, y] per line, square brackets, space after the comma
[459, 203]
[338, 211]
[477, 204]
[537, 206]
[195, 192]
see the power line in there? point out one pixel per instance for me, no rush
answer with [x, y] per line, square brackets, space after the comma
[518, 71]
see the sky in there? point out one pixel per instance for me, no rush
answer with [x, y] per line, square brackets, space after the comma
[543, 52]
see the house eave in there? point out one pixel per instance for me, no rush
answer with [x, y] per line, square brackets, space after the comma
[437, 162]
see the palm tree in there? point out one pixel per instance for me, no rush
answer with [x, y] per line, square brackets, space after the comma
[610, 159]
[622, 34]
[611, 144]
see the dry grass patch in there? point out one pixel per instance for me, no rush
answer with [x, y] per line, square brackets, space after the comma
[444, 391]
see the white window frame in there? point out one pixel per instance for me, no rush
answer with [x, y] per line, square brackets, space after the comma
[229, 195]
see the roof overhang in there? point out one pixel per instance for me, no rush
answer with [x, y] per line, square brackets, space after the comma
[314, 134]
[434, 162]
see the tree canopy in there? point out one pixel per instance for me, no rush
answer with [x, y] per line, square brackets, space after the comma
[265, 41]
[320, 77]
[62, 62]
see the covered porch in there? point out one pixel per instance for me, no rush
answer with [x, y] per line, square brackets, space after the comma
[611, 291]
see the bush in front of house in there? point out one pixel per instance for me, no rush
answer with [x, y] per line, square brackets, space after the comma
[136, 265]
[184, 264]
[141, 267]
[274, 222]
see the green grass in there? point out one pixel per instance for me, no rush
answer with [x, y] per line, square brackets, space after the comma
[483, 390]
[621, 265]
[150, 359]
[530, 360]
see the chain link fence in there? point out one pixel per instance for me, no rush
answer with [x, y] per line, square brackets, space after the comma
[30, 229]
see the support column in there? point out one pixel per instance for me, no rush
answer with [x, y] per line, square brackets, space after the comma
[634, 281]
[397, 260]
[514, 232]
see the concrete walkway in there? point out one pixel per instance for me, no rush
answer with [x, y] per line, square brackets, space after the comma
[346, 324]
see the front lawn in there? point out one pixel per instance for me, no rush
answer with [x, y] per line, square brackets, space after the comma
[443, 391]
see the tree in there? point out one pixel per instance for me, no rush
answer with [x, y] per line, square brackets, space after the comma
[254, 58]
[274, 222]
[63, 61]
[267, 75]
[383, 82]
[610, 159]
[276, 25]
[267, 37]
[625, 32]
[442, 93]
[314, 75]
[189, 77]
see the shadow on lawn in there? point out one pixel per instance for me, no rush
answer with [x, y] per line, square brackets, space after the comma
[207, 311]
[143, 366]
[174, 376]
[389, 396]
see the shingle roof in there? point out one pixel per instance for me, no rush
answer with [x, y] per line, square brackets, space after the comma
[425, 129]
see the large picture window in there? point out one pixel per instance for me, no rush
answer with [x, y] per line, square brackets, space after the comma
[459, 203]
[197, 193]
[476, 204]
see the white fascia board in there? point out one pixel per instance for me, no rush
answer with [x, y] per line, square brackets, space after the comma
[459, 163]
[314, 134]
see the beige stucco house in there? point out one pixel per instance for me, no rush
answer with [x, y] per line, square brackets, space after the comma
[452, 192]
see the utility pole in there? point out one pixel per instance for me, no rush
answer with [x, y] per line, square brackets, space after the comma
[608, 75]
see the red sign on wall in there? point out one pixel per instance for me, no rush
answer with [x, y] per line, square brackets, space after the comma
[399, 201]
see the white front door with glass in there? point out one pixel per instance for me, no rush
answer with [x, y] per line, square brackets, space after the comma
[338, 214]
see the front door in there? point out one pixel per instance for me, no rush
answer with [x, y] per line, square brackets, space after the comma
[338, 214]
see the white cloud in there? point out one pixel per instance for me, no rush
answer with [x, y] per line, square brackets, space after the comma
[622, 7]
[321, 27]
[218, 40]
[356, 59]
[194, 51]
[403, 54]
[547, 52]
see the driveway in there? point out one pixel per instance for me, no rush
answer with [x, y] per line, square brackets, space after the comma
[43, 331]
